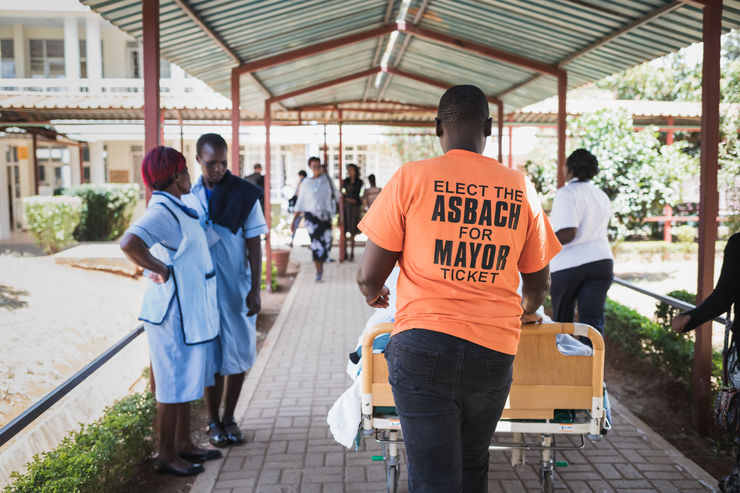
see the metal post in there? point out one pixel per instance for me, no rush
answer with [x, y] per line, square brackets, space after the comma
[667, 224]
[500, 136]
[342, 239]
[511, 144]
[669, 133]
[708, 204]
[34, 138]
[562, 91]
[150, 43]
[82, 164]
[326, 151]
[268, 215]
[235, 102]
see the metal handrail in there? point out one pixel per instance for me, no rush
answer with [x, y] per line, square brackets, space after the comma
[669, 300]
[28, 416]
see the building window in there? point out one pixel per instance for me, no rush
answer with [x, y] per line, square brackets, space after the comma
[133, 68]
[47, 58]
[7, 59]
[165, 69]
[11, 154]
[83, 59]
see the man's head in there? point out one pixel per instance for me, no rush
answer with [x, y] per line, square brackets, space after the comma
[463, 120]
[211, 153]
[315, 164]
[371, 179]
[257, 168]
[302, 173]
[582, 164]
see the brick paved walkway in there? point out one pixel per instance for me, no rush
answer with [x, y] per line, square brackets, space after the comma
[300, 372]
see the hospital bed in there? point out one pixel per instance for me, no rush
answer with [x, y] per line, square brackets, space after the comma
[551, 395]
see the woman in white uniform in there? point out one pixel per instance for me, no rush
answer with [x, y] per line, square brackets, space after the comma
[179, 309]
[583, 270]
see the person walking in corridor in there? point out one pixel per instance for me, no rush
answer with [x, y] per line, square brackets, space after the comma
[462, 228]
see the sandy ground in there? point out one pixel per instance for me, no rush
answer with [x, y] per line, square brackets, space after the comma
[53, 320]
[659, 276]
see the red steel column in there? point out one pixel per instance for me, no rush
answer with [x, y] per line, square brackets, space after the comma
[667, 224]
[150, 43]
[511, 143]
[708, 204]
[235, 102]
[500, 126]
[562, 92]
[268, 207]
[669, 133]
[342, 239]
[35, 164]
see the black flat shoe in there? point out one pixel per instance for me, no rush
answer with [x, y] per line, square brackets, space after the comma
[216, 434]
[207, 455]
[162, 468]
[233, 433]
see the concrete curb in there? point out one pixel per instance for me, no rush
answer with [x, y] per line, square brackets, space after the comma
[690, 466]
[204, 482]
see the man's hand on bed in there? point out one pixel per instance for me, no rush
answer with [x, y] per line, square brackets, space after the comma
[531, 318]
[381, 300]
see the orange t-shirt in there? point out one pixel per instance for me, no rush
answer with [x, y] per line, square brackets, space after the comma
[465, 226]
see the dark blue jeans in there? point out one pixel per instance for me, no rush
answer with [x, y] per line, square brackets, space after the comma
[585, 285]
[449, 394]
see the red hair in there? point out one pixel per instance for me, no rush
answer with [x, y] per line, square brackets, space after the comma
[160, 165]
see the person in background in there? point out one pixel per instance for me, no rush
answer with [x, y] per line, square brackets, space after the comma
[317, 202]
[352, 207]
[258, 179]
[179, 311]
[231, 214]
[726, 294]
[370, 194]
[291, 206]
[462, 228]
[583, 271]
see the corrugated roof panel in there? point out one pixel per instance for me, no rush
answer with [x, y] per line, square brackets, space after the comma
[546, 31]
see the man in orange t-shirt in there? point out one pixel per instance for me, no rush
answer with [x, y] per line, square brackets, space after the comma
[462, 228]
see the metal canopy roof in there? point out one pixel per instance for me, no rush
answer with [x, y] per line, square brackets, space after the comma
[590, 39]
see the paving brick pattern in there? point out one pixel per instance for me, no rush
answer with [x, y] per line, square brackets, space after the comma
[290, 448]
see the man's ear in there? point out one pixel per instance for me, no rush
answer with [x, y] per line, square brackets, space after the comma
[438, 127]
[487, 127]
[197, 158]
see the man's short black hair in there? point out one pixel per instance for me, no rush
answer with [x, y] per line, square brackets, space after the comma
[463, 107]
[302, 173]
[214, 140]
[313, 158]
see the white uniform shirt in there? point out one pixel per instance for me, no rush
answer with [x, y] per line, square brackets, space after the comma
[582, 205]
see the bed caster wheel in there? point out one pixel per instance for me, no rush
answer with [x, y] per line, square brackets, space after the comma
[393, 472]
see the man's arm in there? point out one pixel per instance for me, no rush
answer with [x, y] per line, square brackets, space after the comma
[535, 287]
[254, 252]
[136, 251]
[375, 267]
[566, 235]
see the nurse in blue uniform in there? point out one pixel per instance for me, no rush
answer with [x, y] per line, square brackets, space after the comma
[179, 310]
[231, 214]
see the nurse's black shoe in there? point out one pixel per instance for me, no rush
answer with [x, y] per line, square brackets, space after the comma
[210, 454]
[233, 432]
[163, 468]
[216, 434]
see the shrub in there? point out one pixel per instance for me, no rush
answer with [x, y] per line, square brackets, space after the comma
[106, 210]
[686, 233]
[273, 281]
[654, 342]
[664, 312]
[102, 456]
[52, 220]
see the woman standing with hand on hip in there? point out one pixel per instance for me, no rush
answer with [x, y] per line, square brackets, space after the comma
[179, 310]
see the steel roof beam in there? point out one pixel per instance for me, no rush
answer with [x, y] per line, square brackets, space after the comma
[388, 11]
[432, 82]
[323, 85]
[651, 16]
[315, 49]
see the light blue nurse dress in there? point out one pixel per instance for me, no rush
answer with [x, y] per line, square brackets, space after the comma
[178, 315]
[235, 349]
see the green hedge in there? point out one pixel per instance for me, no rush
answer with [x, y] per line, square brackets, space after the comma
[52, 220]
[654, 342]
[273, 281]
[106, 210]
[102, 456]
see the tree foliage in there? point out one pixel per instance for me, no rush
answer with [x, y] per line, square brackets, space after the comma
[638, 173]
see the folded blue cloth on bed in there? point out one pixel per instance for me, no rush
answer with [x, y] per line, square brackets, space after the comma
[379, 345]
